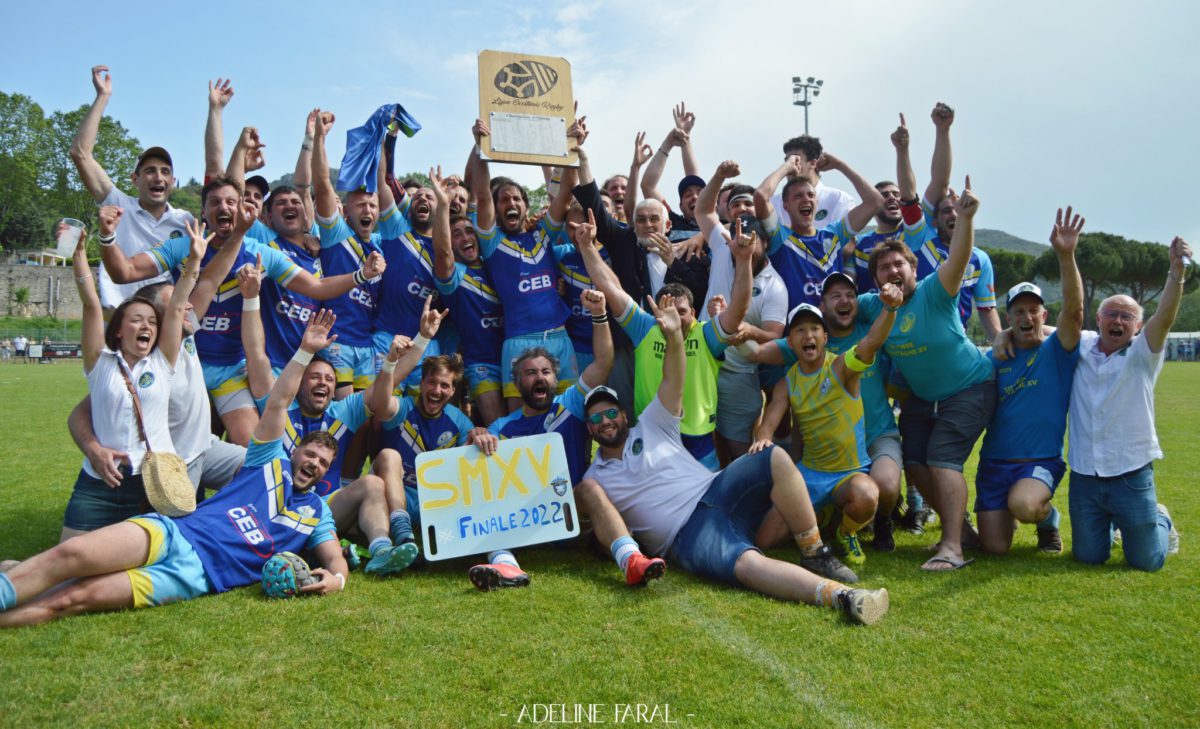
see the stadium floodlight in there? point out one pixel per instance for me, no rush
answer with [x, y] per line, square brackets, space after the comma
[803, 92]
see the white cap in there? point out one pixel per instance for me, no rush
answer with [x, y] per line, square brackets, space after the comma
[1023, 288]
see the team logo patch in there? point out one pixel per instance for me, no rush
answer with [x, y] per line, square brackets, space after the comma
[637, 447]
[822, 214]
[189, 345]
[560, 486]
[525, 79]
[146, 380]
[907, 323]
[176, 234]
[444, 438]
[825, 386]
[756, 291]
[306, 511]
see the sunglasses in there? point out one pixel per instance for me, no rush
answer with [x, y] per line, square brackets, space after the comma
[597, 418]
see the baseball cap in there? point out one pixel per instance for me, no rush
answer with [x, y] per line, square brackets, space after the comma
[1021, 289]
[690, 181]
[802, 309]
[153, 153]
[838, 276]
[261, 183]
[601, 393]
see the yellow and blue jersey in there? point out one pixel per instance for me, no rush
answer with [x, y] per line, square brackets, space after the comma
[523, 270]
[566, 416]
[574, 273]
[830, 419]
[341, 419]
[289, 312]
[476, 312]
[1033, 392]
[803, 262]
[343, 252]
[257, 515]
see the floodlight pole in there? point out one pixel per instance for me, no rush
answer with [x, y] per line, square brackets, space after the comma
[800, 94]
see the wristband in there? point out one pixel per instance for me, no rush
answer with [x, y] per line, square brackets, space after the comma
[389, 366]
[341, 577]
[108, 240]
[84, 277]
[251, 304]
[1177, 279]
[420, 340]
[601, 319]
[853, 362]
[360, 278]
[892, 309]
[302, 358]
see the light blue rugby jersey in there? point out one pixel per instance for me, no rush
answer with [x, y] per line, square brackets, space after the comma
[523, 271]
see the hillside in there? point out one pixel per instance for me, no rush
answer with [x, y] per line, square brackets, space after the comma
[985, 238]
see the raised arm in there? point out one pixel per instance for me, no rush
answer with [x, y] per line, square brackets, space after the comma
[670, 390]
[1064, 238]
[742, 249]
[302, 176]
[481, 182]
[848, 369]
[906, 179]
[219, 95]
[860, 215]
[326, 196]
[378, 397]
[654, 171]
[685, 121]
[1168, 304]
[274, 417]
[95, 179]
[603, 277]
[386, 197]
[254, 340]
[950, 273]
[766, 189]
[596, 373]
[170, 329]
[217, 270]
[706, 204]
[939, 170]
[772, 415]
[443, 252]
[642, 153]
[92, 334]
[407, 361]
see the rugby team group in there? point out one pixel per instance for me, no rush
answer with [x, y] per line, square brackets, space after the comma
[724, 367]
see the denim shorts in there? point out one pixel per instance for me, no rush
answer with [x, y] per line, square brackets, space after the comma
[94, 504]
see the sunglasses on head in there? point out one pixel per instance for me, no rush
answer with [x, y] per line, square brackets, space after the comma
[597, 418]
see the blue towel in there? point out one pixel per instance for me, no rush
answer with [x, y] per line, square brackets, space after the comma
[361, 163]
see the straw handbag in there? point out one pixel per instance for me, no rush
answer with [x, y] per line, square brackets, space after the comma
[164, 475]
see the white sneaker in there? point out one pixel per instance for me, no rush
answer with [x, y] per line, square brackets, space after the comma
[1173, 535]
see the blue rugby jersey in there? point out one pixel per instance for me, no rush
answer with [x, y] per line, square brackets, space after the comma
[476, 312]
[523, 270]
[342, 252]
[566, 416]
[410, 433]
[291, 311]
[341, 419]
[803, 262]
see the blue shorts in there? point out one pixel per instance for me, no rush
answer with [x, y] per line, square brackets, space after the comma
[722, 526]
[228, 386]
[555, 341]
[353, 365]
[703, 449]
[412, 505]
[412, 384]
[172, 570]
[93, 504]
[482, 377]
[822, 485]
[995, 478]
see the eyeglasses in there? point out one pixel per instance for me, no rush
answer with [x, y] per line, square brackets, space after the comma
[1119, 315]
[597, 418]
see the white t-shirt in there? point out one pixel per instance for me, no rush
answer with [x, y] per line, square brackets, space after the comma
[768, 296]
[657, 483]
[189, 419]
[1112, 408]
[832, 206]
[137, 233]
[113, 419]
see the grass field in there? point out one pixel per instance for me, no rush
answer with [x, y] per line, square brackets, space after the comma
[1024, 640]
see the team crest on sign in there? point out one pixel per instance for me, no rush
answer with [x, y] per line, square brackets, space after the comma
[637, 447]
[560, 486]
[146, 380]
[525, 79]
[906, 324]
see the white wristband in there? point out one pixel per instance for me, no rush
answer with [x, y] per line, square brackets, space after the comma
[302, 357]
[251, 304]
[420, 341]
[341, 577]
[389, 366]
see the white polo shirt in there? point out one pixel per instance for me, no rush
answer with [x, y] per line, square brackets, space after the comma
[768, 295]
[137, 233]
[1112, 408]
[657, 483]
[190, 420]
[113, 418]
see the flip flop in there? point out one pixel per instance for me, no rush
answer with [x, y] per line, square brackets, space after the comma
[955, 564]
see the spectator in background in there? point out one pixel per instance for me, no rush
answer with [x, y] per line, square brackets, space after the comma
[21, 344]
[6, 349]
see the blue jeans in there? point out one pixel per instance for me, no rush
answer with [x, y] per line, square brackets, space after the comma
[1129, 502]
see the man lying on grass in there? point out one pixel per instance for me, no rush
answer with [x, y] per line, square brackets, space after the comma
[708, 521]
[151, 560]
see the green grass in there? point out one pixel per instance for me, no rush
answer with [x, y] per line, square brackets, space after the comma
[1024, 640]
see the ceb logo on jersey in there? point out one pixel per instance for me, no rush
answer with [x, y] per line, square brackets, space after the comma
[908, 322]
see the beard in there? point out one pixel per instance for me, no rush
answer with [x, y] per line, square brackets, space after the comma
[615, 440]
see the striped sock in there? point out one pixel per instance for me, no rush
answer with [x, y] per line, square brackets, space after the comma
[826, 592]
[8, 593]
[503, 556]
[809, 541]
[622, 549]
[379, 544]
[401, 526]
[1052, 521]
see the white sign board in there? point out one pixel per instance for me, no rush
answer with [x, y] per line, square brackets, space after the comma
[529, 134]
[473, 504]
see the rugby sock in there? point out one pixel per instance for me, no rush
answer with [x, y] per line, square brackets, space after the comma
[8, 593]
[809, 541]
[379, 545]
[849, 526]
[622, 549]
[912, 498]
[401, 526]
[503, 556]
[1052, 521]
[826, 592]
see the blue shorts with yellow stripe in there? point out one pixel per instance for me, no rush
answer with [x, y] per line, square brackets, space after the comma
[482, 377]
[228, 386]
[556, 341]
[822, 485]
[353, 365]
[172, 570]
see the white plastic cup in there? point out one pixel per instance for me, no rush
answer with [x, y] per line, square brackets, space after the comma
[68, 237]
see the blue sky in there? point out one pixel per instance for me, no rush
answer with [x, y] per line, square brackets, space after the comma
[1056, 104]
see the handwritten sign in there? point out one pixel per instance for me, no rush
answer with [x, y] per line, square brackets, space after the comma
[473, 504]
[529, 104]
